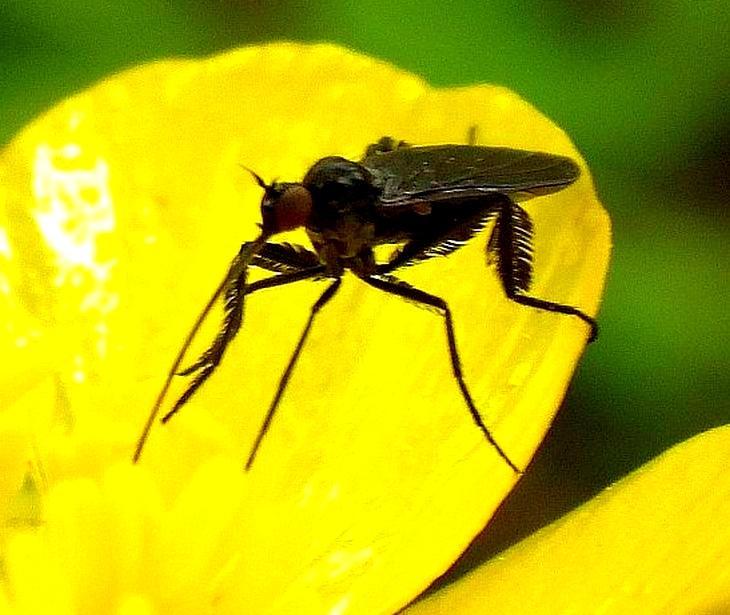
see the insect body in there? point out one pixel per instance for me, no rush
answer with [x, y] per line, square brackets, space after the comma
[429, 200]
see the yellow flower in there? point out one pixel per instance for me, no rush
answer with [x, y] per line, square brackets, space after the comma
[655, 542]
[119, 212]
[112, 547]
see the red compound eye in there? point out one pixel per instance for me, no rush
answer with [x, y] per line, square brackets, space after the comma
[285, 208]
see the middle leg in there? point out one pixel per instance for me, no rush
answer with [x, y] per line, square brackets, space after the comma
[284, 380]
[400, 288]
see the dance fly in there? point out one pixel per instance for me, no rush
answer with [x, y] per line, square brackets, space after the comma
[428, 201]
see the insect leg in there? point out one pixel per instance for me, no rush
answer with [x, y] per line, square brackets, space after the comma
[384, 145]
[235, 271]
[400, 288]
[236, 265]
[211, 358]
[284, 380]
[560, 308]
[278, 258]
[510, 248]
[284, 257]
[445, 236]
[472, 135]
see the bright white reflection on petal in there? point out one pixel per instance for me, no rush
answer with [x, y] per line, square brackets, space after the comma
[340, 606]
[74, 208]
[75, 214]
[4, 243]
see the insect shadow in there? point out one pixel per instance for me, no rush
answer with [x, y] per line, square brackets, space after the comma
[427, 200]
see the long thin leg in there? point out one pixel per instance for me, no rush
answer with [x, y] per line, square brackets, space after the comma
[284, 380]
[510, 248]
[278, 258]
[235, 265]
[402, 289]
[211, 358]
[235, 272]
[559, 308]
[511, 243]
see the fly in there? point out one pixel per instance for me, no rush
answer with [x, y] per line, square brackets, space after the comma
[428, 200]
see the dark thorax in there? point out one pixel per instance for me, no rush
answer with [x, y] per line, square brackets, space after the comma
[342, 223]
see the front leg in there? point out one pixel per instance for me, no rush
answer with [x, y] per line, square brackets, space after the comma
[234, 294]
[284, 258]
[290, 259]
[278, 258]
[206, 364]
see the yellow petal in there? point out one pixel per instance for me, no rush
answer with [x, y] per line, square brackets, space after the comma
[131, 203]
[655, 542]
[14, 456]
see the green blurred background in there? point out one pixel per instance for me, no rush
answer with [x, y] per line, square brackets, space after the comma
[640, 85]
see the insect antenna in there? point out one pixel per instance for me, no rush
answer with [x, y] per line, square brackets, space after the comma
[237, 268]
[268, 188]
